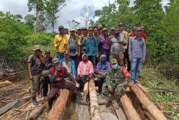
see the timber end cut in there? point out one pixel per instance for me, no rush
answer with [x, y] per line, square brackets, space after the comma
[58, 108]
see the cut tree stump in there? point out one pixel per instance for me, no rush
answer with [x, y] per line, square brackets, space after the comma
[129, 109]
[59, 106]
[8, 106]
[94, 107]
[151, 108]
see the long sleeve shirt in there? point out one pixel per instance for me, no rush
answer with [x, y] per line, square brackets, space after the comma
[85, 68]
[91, 46]
[137, 48]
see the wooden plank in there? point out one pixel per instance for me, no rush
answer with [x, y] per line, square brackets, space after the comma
[157, 114]
[129, 109]
[82, 112]
[94, 107]
[144, 89]
[8, 106]
[59, 106]
[5, 83]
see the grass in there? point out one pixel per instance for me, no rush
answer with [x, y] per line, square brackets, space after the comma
[166, 101]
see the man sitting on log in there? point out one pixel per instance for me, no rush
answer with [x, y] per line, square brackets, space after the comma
[57, 74]
[116, 82]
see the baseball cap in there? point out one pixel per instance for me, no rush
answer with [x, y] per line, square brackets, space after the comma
[55, 60]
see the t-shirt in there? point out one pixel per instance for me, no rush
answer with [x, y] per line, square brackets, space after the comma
[37, 65]
[67, 66]
[61, 41]
[116, 48]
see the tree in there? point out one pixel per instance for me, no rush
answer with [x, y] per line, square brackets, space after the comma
[38, 5]
[52, 7]
[30, 20]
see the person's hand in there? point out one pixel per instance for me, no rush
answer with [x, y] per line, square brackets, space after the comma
[121, 85]
[97, 55]
[31, 77]
[130, 84]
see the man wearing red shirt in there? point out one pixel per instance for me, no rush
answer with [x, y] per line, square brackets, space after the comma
[143, 34]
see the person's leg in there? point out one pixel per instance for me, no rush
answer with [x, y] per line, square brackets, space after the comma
[133, 69]
[79, 80]
[34, 89]
[52, 96]
[70, 85]
[45, 86]
[138, 67]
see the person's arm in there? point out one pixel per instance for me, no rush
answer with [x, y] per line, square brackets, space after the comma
[79, 69]
[66, 42]
[91, 69]
[130, 50]
[144, 51]
[56, 43]
[96, 47]
[29, 63]
[78, 46]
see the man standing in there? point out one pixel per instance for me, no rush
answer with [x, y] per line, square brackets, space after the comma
[91, 46]
[61, 42]
[74, 47]
[35, 67]
[104, 43]
[137, 54]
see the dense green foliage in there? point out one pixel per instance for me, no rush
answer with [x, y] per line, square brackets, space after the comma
[15, 36]
[162, 26]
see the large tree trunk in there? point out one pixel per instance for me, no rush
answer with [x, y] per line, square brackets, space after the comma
[94, 107]
[59, 106]
[157, 114]
[129, 109]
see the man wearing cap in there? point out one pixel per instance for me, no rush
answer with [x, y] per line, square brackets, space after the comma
[91, 46]
[70, 66]
[115, 82]
[57, 81]
[74, 47]
[61, 42]
[137, 54]
[35, 67]
[104, 43]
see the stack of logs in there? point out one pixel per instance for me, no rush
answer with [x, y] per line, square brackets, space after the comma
[135, 104]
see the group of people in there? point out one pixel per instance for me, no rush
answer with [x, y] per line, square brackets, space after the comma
[85, 54]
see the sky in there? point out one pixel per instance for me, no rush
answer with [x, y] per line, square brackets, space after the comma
[72, 10]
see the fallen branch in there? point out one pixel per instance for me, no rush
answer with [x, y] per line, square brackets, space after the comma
[165, 90]
[5, 83]
[35, 113]
[7, 107]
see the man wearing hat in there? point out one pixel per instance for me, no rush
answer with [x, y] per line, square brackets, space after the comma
[70, 66]
[74, 46]
[137, 53]
[61, 42]
[115, 82]
[57, 81]
[35, 67]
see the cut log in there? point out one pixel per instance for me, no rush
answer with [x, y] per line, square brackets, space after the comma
[86, 88]
[8, 106]
[5, 83]
[129, 109]
[94, 107]
[144, 89]
[59, 106]
[151, 108]
[120, 114]
[35, 113]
